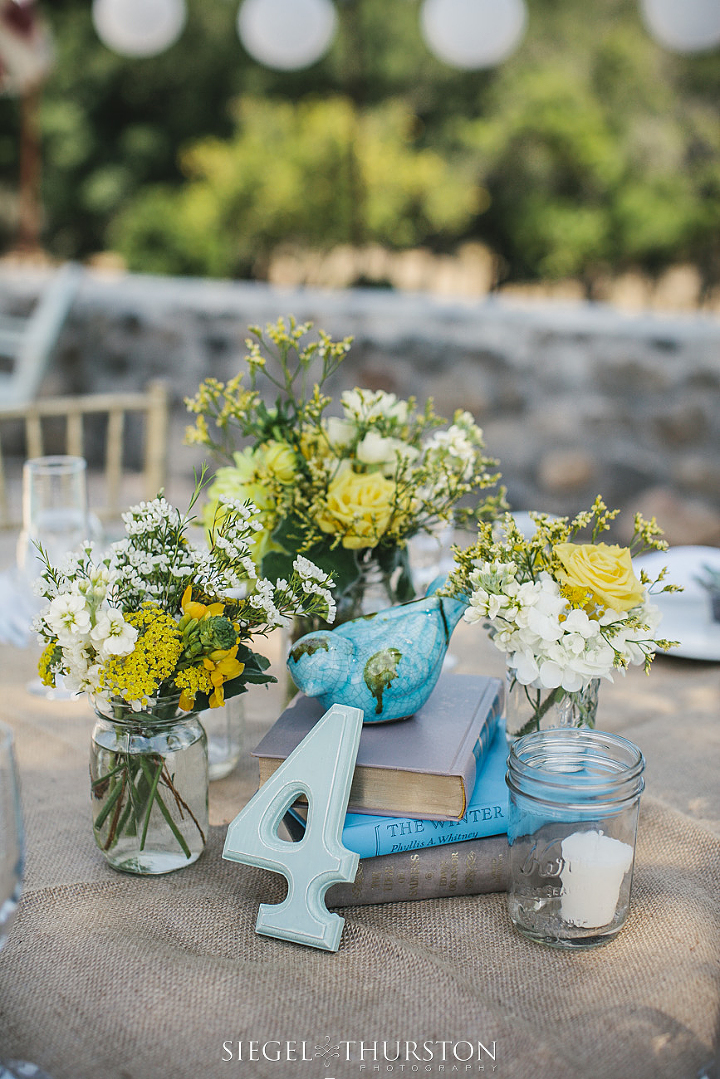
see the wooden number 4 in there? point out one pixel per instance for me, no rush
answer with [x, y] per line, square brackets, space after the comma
[321, 768]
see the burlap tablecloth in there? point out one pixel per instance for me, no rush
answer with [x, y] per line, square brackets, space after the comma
[107, 976]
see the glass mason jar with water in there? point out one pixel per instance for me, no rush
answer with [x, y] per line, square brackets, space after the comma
[149, 785]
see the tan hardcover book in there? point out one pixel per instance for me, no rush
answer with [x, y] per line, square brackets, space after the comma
[472, 867]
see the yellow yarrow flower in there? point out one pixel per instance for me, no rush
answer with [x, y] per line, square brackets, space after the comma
[191, 681]
[157, 650]
[46, 663]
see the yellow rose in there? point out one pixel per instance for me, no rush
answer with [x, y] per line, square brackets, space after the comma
[603, 569]
[358, 507]
[279, 460]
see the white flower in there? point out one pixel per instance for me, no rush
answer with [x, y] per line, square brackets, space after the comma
[525, 667]
[578, 622]
[457, 444]
[376, 450]
[68, 617]
[340, 433]
[366, 405]
[307, 570]
[112, 634]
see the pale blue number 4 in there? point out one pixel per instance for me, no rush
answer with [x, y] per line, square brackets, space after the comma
[321, 768]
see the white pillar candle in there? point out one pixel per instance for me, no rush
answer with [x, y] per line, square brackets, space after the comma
[594, 868]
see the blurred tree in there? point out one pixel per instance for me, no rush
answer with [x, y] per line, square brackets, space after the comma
[317, 173]
[595, 152]
[597, 148]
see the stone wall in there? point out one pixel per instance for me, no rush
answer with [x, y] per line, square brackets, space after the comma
[574, 399]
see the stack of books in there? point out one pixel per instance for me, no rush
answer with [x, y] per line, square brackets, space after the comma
[428, 803]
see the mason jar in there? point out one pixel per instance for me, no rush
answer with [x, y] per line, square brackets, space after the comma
[574, 796]
[149, 786]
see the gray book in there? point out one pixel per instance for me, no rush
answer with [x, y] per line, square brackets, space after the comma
[424, 766]
[472, 867]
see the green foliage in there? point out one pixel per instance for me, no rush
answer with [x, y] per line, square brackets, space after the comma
[319, 172]
[592, 150]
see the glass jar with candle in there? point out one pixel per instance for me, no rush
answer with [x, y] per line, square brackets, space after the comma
[572, 822]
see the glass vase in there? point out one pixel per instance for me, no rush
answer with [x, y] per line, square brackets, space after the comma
[381, 583]
[383, 580]
[149, 784]
[529, 708]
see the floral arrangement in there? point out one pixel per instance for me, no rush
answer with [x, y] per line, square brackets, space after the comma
[158, 617]
[346, 490]
[564, 612]
[154, 630]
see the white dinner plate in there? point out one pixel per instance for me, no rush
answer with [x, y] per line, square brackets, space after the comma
[686, 615]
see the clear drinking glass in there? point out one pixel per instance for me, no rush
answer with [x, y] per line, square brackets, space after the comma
[225, 730]
[11, 835]
[54, 509]
[11, 871]
[572, 822]
[55, 516]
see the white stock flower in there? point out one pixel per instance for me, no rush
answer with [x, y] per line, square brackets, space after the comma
[339, 432]
[112, 635]
[68, 617]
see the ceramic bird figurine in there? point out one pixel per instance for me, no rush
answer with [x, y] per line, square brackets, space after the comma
[385, 663]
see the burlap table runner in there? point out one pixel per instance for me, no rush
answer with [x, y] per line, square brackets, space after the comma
[113, 977]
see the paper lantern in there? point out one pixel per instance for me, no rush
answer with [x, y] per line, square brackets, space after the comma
[473, 34]
[683, 25]
[139, 27]
[286, 34]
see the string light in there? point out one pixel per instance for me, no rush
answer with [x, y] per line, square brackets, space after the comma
[683, 25]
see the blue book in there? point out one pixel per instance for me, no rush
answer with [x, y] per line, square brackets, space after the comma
[486, 815]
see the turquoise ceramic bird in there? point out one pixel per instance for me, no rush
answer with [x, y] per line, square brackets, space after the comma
[385, 663]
